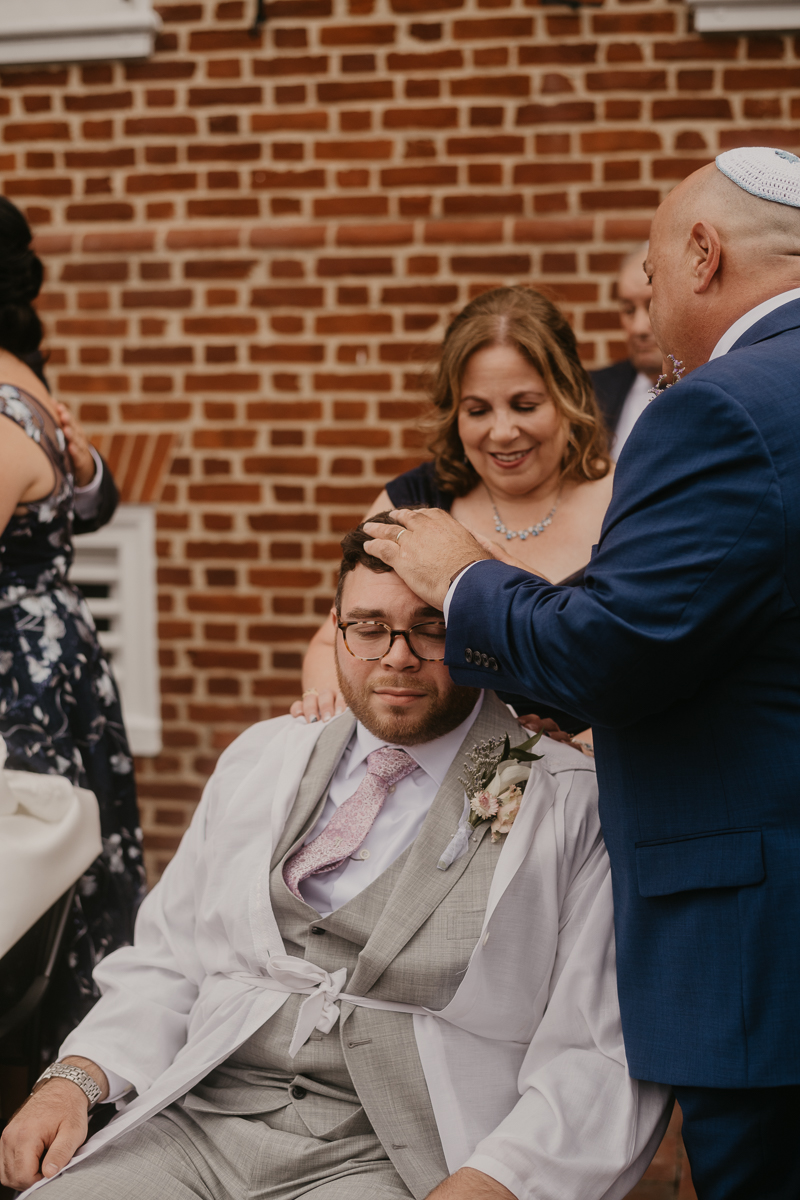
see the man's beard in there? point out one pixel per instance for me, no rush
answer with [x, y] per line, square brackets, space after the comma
[397, 724]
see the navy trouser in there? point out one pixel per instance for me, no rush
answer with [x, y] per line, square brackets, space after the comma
[742, 1143]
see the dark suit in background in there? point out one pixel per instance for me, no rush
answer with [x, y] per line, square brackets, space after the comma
[683, 653]
[611, 387]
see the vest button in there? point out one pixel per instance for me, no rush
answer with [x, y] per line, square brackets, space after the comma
[316, 929]
[297, 1093]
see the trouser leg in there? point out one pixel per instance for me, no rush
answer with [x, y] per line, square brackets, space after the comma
[742, 1143]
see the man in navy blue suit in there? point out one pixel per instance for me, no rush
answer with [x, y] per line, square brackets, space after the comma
[682, 651]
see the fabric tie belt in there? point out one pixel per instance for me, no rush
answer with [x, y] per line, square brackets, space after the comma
[322, 989]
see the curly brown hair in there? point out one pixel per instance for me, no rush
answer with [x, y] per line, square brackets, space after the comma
[523, 318]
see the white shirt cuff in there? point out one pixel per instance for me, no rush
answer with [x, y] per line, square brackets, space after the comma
[86, 499]
[451, 591]
[117, 1086]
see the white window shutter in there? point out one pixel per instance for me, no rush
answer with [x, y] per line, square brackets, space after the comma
[743, 16]
[49, 31]
[115, 569]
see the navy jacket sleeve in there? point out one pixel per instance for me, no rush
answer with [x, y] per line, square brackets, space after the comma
[688, 574]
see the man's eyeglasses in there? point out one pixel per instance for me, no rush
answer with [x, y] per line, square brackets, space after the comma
[370, 640]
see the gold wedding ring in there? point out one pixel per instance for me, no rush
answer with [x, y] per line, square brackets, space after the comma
[399, 534]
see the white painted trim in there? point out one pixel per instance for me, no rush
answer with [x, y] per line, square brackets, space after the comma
[47, 31]
[121, 556]
[740, 16]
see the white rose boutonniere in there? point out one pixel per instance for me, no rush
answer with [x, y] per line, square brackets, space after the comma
[496, 775]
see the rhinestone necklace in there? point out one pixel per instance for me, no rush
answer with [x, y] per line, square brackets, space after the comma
[522, 534]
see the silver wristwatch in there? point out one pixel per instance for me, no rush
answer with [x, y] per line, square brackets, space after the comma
[59, 1070]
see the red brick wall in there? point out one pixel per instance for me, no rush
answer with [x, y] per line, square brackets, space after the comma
[253, 243]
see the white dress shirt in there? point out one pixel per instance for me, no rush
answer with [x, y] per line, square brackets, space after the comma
[636, 402]
[732, 335]
[399, 820]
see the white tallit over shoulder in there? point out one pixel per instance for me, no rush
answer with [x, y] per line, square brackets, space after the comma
[526, 1066]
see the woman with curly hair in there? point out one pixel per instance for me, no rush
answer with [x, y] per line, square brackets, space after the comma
[520, 456]
[59, 708]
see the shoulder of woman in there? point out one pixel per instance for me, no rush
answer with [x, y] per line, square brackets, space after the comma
[417, 486]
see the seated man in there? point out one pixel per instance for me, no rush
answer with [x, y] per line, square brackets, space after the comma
[346, 985]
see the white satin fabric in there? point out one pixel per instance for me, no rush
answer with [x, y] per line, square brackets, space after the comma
[49, 835]
[525, 1067]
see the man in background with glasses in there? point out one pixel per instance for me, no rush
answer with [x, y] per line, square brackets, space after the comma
[343, 988]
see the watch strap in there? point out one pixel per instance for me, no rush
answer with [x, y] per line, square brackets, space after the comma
[58, 1070]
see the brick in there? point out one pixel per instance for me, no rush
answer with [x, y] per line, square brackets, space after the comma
[491, 85]
[206, 96]
[168, 126]
[498, 144]
[697, 48]
[369, 149]
[163, 410]
[245, 207]
[677, 168]
[126, 240]
[350, 206]
[38, 187]
[396, 234]
[232, 152]
[663, 22]
[755, 78]
[615, 199]
[357, 35]
[98, 101]
[564, 172]
[112, 211]
[36, 131]
[629, 81]
[420, 294]
[92, 160]
[93, 383]
[544, 55]
[463, 231]
[219, 269]
[610, 141]
[633, 230]
[418, 176]
[696, 109]
[225, 493]
[173, 181]
[288, 179]
[501, 264]
[303, 65]
[338, 93]
[420, 118]
[278, 297]
[438, 60]
[501, 28]
[729, 139]
[228, 550]
[571, 111]
[85, 272]
[160, 69]
[488, 205]
[547, 231]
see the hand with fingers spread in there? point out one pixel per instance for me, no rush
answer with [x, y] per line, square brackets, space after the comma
[426, 548]
[43, 1135]
[78, 445]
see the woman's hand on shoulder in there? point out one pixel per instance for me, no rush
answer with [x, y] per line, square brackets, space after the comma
[319, 705]
[78, 445]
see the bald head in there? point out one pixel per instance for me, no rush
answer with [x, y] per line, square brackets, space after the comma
[716, 251]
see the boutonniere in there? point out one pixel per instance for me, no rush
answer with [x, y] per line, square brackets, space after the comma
[665, 381]
[496, 775]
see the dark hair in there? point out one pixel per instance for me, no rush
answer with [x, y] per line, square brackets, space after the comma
[354, 554]
[523, 318]
[20, 280]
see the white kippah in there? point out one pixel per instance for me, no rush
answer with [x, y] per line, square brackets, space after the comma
[764, 172]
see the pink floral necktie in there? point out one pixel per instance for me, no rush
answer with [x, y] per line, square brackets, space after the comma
[352, 820]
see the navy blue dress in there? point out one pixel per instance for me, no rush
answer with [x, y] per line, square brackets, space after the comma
[420, 486]
[59, 707]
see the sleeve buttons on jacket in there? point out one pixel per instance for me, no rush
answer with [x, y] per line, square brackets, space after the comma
[468, 654]
[484, 660]
[493, 664]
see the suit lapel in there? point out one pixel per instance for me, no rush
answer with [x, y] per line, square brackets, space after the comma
[313, 789]
[422, 886]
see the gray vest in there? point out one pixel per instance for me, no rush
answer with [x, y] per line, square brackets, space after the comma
[407, 937]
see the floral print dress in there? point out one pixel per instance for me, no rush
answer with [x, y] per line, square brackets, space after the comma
[60, 711]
